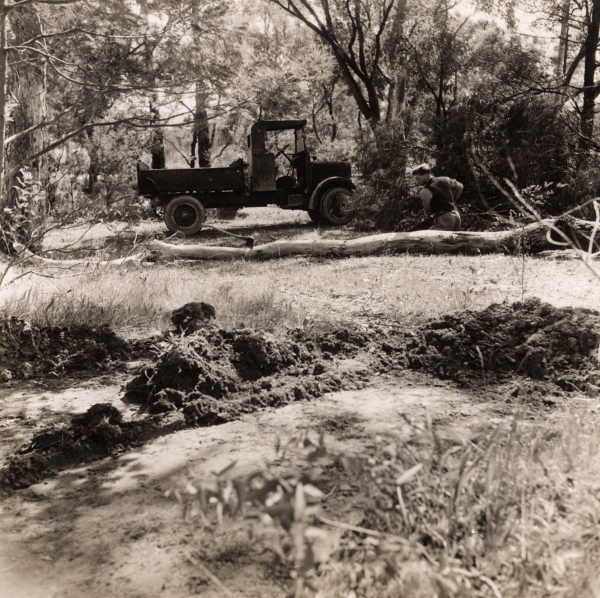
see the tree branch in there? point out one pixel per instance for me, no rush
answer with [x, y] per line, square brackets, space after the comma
[76, 30]
[384, 19]
[54, 2]
[33, 128]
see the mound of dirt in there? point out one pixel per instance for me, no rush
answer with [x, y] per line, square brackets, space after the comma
[527, 350]
[205, 379]
[203, 410]
[217, 375]
[258, 354]
[531, 339]
[93, 434]
[215, 363]
[28, 351]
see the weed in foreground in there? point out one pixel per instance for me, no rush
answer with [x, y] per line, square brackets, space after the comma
[510, 511]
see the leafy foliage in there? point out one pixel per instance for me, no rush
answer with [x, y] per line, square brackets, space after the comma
[382, 84]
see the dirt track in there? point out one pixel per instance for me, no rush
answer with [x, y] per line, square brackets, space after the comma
[118, 241]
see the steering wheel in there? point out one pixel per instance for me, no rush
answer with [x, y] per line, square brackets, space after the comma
[281, 152]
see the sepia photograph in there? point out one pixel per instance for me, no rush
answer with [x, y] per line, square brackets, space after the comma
[299, 299]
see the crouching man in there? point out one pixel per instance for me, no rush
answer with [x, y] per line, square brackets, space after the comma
[439, 195]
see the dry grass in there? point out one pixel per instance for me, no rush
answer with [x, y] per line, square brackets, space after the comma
[511, 511]
[286, 292]
[142, 298]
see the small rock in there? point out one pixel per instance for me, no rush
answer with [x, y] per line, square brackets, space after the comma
[5, 375]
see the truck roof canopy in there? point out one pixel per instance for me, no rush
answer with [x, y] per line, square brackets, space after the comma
[278, 125]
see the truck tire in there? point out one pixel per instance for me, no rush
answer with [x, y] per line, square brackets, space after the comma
[335, 206]
[185, 214]
[315, 216]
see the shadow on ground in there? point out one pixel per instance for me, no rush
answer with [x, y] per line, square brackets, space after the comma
[123, 243]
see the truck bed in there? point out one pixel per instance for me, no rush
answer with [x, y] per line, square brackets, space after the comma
[180, 181]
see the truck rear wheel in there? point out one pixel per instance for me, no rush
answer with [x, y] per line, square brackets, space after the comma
[336, 206]
[315, 216]
[185, 214]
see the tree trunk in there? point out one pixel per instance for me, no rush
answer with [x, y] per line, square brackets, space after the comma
[200, 147]
[589, 77]
[430, 241]
[27, 257]
[563, 42]
[4, 239]
[157, 142]
[27, 84]
[391, 136]
[201, 142]
[94, 167]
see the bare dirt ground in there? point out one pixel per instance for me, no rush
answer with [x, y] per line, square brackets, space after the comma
[111, 239]
[105, 529]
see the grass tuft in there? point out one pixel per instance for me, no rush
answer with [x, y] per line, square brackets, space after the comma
[144, 300]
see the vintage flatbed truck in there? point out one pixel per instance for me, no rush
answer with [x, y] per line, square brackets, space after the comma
[323, 189]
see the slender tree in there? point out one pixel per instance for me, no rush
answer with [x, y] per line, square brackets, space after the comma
[201, 139]
[591, 89]
[23, 74]
[157, 141]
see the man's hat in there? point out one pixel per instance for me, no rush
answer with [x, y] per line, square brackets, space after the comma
[422, 169]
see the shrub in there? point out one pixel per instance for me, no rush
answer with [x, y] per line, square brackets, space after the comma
[381, 199]
[528, 141]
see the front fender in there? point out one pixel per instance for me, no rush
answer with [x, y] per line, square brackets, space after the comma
[333, 181]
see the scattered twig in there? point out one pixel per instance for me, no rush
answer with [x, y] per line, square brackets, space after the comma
[226, 591]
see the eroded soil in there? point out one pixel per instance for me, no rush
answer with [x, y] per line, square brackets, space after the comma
[119, 241]
[30, 351]
[524, 351]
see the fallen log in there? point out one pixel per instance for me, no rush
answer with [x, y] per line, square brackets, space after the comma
[26, 256]
[431, 241]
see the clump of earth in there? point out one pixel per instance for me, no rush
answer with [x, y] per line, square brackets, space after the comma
[530, 338]
[93, 434]
[214, 376]
[224, 365]
[28, 350]
[191, 317]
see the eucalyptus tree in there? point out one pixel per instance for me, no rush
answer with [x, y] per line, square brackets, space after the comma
[576, 27]
[364, 36]
[23, 70]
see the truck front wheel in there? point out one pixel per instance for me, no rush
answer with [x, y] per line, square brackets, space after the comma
[185, 214]
[336, 206]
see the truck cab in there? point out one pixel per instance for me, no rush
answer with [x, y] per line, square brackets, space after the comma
[323, 189]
